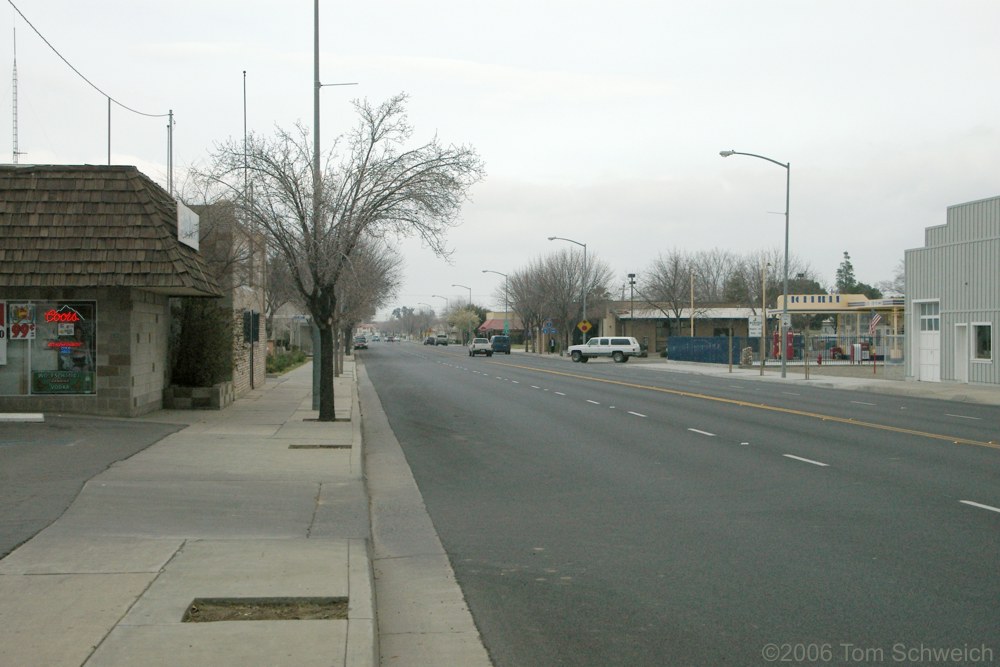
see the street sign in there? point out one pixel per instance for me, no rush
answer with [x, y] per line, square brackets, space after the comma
[755, 326]
[548, 328]
[584, 326]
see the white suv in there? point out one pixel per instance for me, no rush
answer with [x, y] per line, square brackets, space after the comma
[615, 347]
[480, 346]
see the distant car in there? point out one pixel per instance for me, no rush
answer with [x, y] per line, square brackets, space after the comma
[615, 347]
[430, 340]
[360, 343]
[442, 339]
[376, 338]
[500, 344]
[480, 346]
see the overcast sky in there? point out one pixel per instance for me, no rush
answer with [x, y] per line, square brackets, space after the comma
[597, 121]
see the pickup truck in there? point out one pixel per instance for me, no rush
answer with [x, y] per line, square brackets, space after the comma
[480, 346]
[618, 348]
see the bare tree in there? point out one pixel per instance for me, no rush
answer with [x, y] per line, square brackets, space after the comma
[374, 276]
[668, 284]
[897, 285]
[378, 188]
[713, 270]
[528, 299]
[279, 289]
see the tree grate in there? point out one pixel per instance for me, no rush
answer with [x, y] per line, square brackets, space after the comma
[209, 610]
[319, 446]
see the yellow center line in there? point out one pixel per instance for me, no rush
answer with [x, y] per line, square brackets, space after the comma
[771, 408]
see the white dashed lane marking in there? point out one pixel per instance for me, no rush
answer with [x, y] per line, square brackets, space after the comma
[980, 505]
[799, 458]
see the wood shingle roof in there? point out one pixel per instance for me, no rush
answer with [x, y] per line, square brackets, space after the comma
[94, 226]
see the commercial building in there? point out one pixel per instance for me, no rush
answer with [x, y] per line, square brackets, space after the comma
[89, 257]
[953, 297]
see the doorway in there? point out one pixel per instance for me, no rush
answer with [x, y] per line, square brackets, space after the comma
[962, 353]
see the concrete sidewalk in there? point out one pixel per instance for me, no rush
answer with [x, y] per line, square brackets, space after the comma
[254, 501]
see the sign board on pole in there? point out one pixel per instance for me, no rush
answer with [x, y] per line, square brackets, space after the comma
[584, 326]
[755, 326]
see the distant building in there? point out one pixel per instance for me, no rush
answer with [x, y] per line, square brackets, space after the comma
[236, 256]
[953, 297]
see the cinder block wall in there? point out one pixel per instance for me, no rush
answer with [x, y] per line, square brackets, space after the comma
[148, 342]
[132, 326]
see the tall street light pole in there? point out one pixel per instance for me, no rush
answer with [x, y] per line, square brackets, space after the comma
[447, 303]
[429, 307]
[784, 306]
[318, 360]
[560, 238]
[470, 292]
[506, 308]
[631, 308]
[470, 301]
[763, 311]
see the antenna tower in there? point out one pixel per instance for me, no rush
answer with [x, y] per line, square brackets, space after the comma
[14, 96]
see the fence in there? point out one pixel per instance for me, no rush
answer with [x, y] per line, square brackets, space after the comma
[833, 350]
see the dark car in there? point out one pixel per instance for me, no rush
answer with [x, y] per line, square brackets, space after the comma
[430, 340]
[500, 344]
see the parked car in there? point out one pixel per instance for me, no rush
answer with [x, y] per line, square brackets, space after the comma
[500, 344]
[430, 340]
[442, 339]
[617, 348]
[480, 346]
[360, 343]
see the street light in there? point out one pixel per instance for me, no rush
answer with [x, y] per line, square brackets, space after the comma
[429, 306]
[560, 238]
[506, 326]
[447, 303]
[784, 306]
[470, 292]
[631, 308]
[763, 311]
[470, 302]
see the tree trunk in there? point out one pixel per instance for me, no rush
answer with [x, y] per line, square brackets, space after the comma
[327, 351]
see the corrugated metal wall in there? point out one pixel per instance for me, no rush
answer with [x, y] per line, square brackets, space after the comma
[960, 267]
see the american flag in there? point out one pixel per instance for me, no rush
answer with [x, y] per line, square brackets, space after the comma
[876, 318]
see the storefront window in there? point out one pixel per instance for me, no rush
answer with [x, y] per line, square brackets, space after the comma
[984, 341]
[51, 348]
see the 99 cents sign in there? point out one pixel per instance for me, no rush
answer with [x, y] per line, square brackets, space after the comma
[22, 321]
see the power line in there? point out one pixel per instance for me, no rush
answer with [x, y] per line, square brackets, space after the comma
[78, 73]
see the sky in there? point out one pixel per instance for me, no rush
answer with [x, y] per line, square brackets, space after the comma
[597, 121]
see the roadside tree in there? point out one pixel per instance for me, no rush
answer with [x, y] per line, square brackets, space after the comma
[375, 187]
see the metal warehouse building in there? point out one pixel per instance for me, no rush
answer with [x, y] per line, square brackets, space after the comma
[953, 297]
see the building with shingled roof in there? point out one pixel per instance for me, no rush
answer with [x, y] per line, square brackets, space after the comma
[89, 258]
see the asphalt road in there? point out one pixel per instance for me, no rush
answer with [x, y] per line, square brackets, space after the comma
[44, 465]
[605, 514]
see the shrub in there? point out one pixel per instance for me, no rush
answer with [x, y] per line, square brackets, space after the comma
[201, 343]
[283, 361]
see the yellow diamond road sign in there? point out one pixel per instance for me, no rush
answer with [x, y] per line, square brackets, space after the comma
[584, 326]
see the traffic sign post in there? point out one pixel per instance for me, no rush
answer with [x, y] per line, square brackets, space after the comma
[584, 326]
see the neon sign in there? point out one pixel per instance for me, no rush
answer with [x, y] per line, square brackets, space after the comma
[65, 343]
[62, 316]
